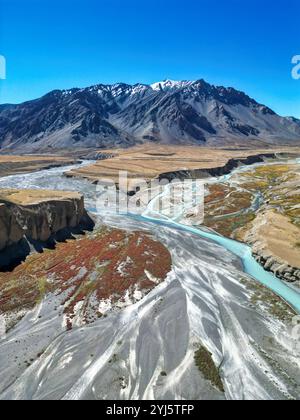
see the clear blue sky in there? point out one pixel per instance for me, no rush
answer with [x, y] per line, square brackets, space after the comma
[247, 44]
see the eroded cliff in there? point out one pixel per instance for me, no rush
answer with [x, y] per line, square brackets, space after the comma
[38, 215]
[10, 231]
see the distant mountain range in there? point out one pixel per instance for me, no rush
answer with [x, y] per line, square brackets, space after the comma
[121, 115]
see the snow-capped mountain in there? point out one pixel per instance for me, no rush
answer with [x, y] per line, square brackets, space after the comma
[105, 116]
[170, 84]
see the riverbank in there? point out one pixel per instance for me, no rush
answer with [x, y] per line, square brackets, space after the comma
[11, 165]
[260, 206]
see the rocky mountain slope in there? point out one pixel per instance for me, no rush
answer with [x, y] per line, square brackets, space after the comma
[105, 116]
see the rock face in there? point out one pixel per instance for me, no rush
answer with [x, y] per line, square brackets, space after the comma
[37, 215]
[10, 230]
[122, 115]
[40, 221]
[280, 268]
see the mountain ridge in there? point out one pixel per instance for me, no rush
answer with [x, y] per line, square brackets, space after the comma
[123, 115]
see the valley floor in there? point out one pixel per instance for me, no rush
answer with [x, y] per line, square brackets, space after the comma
[142, 310]
[10, 165]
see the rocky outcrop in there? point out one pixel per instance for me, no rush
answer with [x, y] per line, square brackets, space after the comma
[96, 155]
[280, 268]
[41, 221]
[38, 215]
[10, 230]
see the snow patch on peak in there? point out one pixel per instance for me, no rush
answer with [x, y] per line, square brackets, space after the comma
[170, 84]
